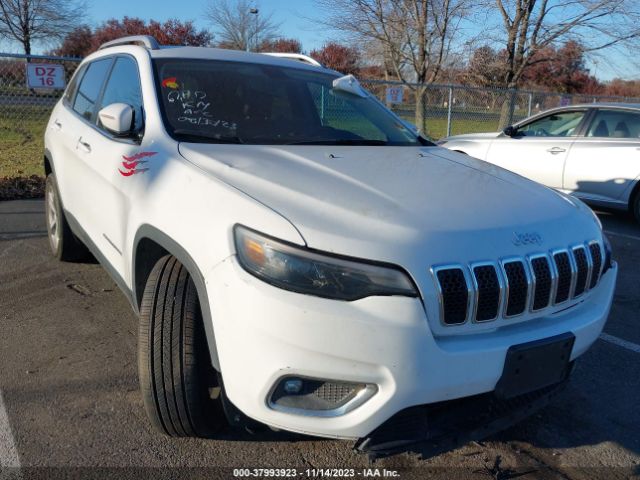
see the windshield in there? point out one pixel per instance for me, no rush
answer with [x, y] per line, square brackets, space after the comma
[230, 102]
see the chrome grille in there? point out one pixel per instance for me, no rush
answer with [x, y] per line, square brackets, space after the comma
[486, 291]
[489, 289]
[517, 287]
[596, 260]
[543, 279]
[565, 274]
[454, 292]
[582, 268]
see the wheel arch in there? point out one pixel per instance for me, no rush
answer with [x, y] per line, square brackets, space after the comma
[635, 191]
[150, 244]
[47, 163]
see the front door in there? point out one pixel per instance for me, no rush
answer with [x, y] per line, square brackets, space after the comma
[72, 121]
[115, 162]
[538, 149]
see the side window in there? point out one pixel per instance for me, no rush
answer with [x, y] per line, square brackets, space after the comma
[123, 86]
[72, 88]
[615, 124]
[90, 87]
[561, 124]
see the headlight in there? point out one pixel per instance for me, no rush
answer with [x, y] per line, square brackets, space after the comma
[320, 274]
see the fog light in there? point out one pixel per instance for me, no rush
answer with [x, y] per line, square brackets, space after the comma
[318, 397]
[293, 386]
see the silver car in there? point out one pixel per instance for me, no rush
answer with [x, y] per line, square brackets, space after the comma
[591, 151]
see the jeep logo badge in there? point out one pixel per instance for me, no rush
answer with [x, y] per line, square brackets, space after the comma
[528, 238]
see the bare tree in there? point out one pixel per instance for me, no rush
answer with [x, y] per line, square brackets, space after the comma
[241, 25]
[530, 26]
[414, 36]
[30, 21]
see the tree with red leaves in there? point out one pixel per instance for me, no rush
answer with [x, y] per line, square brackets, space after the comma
[81, 41]
[77, 43]
[281, 45]
[338, 57]
[623, 88]
[560, 70]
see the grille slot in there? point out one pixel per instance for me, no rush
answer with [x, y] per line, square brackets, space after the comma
[455, 295]
[488, 288]
[563, 267]
[596, 257]
[543, 282]
[582, 267]
[517, 287]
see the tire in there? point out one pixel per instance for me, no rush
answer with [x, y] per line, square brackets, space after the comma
[635, 207]
[63, 243]
[174, 365]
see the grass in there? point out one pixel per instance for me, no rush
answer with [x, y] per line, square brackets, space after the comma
[436, 128]
[22, 141]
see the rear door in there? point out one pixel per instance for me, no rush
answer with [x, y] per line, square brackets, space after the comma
[604, 164]
[539, 148]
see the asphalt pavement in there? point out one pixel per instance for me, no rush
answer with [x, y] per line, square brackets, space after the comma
[70, 405]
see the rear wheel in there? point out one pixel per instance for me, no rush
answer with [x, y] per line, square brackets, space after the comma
[63, 243]
[635, 207]
[176, 376]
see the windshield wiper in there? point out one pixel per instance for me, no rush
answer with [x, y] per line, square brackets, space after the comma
[190, 135]
[342, 141]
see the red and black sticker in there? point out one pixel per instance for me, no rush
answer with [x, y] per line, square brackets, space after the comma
[132, 163]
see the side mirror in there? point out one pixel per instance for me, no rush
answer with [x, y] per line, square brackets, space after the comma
[349, 84]
[510, 131]
[117, 118]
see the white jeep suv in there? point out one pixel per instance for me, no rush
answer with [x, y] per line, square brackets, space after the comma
[300, 258]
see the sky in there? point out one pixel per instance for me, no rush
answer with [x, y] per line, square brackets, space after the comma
[296, 21]
[291, 14]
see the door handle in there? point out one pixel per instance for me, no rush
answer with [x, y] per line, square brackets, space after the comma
[83, 145]
[555, 150]
[57, 125]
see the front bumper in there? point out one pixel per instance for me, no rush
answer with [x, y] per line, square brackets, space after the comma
[264, 333]
[439, 427]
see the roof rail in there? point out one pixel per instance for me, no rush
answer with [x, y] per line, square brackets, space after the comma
[297, 56]
[144, 40]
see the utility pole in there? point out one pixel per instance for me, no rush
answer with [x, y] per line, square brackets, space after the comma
[254, 11]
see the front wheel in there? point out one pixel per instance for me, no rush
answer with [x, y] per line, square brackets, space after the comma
[174, 365]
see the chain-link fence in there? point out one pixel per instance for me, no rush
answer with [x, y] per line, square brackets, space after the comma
[24, 112]
[455, 109]
[446, 109]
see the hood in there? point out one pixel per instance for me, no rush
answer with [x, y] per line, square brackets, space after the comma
[387, 203]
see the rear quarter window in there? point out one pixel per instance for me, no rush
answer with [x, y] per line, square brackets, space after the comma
[72, 88]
